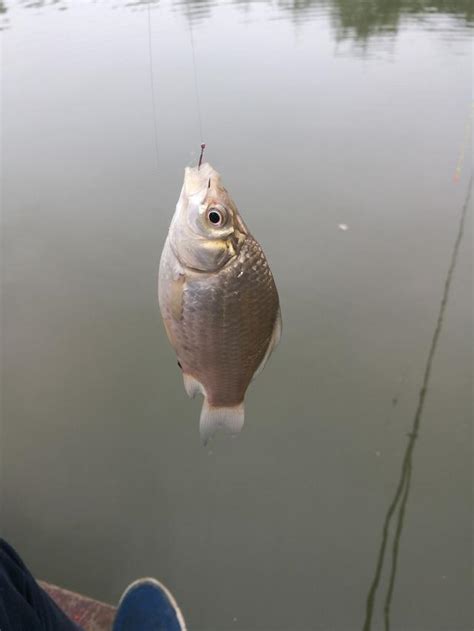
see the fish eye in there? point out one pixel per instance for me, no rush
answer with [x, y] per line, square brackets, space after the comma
[215, 216]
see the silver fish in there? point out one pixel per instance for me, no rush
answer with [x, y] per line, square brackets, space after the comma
[218, 300]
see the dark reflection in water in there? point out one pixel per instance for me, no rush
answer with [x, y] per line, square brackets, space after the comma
[355, 19]
[403, 487]
[362, 20]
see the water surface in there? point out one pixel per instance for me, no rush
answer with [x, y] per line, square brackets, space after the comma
[342, 131]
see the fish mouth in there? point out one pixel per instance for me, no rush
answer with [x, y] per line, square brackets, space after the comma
[200, 179]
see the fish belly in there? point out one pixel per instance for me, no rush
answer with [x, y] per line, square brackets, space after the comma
[220, 324]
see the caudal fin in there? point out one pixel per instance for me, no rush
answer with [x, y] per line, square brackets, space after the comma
[230, 419]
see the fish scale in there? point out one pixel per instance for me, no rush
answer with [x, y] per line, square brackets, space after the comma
[234, 327]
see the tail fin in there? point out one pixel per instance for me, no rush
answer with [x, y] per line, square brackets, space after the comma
[230, 419]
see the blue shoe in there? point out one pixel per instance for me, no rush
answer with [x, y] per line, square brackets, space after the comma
[146, 605]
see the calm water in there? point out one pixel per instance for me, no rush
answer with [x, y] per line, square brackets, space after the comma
[320, 115]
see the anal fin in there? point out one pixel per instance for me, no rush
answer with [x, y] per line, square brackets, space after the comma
[192, 386]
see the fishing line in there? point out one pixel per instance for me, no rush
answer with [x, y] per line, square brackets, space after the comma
[403, 487]
[196, 87]
[152, 85]
[462, 152]
[396, 545]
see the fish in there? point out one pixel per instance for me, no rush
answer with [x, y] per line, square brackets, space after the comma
[218, 300]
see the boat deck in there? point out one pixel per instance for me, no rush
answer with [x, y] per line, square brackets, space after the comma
[90, 614]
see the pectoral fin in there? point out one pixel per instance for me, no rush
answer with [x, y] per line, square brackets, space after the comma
[176, 296]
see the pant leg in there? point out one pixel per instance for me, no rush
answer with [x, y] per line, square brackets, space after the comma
[24, 606]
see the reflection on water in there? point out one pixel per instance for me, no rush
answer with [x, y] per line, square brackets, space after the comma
[355, 19]
[403, 487]
[362, 20]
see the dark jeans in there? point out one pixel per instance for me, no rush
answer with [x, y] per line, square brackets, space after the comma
[24, 606]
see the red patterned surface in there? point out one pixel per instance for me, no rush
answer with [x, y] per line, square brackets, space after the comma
[91, 614]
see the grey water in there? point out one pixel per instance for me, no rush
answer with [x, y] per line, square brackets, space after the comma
[343, 131]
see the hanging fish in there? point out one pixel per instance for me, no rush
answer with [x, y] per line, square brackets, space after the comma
[218, 300]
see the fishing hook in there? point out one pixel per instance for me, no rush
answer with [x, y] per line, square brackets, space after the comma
[203, 146]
